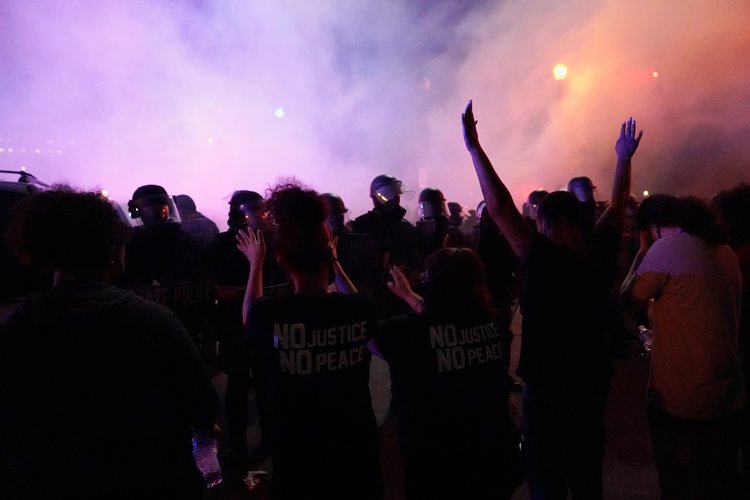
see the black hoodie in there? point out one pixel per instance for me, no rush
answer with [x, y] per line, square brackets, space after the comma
[99, 391]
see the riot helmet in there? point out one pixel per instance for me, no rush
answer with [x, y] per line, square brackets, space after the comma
[247, 209]
[531, 207]
[152, 205]
[336, 212]
[432, 204]
[386, 190]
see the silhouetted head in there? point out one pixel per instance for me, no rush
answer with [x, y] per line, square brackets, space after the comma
[247, 209]
[432, 204]
[68, 231]
[733, 208]
[582, 188]
[302, 238]
[152, 205]
[660, 210]
[531, 207]
[386, 191]
[456, 281]
[336, 211]
[185, 206]
[559, 209]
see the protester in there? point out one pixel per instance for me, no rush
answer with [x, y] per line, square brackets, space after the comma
[101, 389]
[696, 389]
[394, 238]
[448, 384]
[228, 269]
[564, 361]
[315, 344]
[733, 207]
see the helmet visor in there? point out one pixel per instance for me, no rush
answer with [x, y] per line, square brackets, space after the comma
[428, 210]
[388, 192]
[154, 209]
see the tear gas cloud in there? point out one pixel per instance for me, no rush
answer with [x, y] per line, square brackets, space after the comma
[205, 97]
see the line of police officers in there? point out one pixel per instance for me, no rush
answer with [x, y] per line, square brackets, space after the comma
[178, 259]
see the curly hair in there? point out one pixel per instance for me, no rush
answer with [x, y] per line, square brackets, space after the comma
[301, 237]
[457, 281]
[66, 230]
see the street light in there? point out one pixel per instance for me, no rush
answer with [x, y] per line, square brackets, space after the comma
[560, 71]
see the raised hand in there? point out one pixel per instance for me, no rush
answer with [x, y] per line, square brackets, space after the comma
[400, 285]
[252, 246]
[627, 143]
[471, 137]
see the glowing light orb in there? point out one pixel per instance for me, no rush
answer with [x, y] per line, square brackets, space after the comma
[37, 151]
[23, 168]
[655, 74]
[105, 193]
[645, 193]
[560, 71]
[426, 84]
[210, 140]
[279, 112]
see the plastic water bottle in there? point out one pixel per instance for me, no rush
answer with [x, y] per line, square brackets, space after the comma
[646, 336]
[205, 451]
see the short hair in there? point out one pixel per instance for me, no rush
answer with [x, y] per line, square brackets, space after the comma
[658, 209]
[580, 181]
[560, 207]
[66, 230]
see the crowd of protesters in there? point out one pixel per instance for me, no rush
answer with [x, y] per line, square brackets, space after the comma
[106, 376]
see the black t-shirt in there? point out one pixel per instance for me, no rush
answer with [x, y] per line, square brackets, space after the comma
[324, 427]
[448, 383]
[564, 349]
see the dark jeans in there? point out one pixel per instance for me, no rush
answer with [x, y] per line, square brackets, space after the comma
[696, 459]
[563, 443]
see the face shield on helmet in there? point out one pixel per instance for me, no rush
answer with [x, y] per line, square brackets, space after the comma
[388, 193]
[253, 215]
[247, 209]
[429, 210]
[153, 209]
[432, 204]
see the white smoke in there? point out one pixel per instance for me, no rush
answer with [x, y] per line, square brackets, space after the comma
[186, 93]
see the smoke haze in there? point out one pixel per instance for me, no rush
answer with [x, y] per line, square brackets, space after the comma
[206, 97]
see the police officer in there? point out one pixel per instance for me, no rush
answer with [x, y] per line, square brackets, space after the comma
[162, 263]
[393, 236]
[434, 226]
[201, 228]
[228, 270]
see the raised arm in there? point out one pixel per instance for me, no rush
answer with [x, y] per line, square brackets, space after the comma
[254, 249]
[625, 148]
[499, 201]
